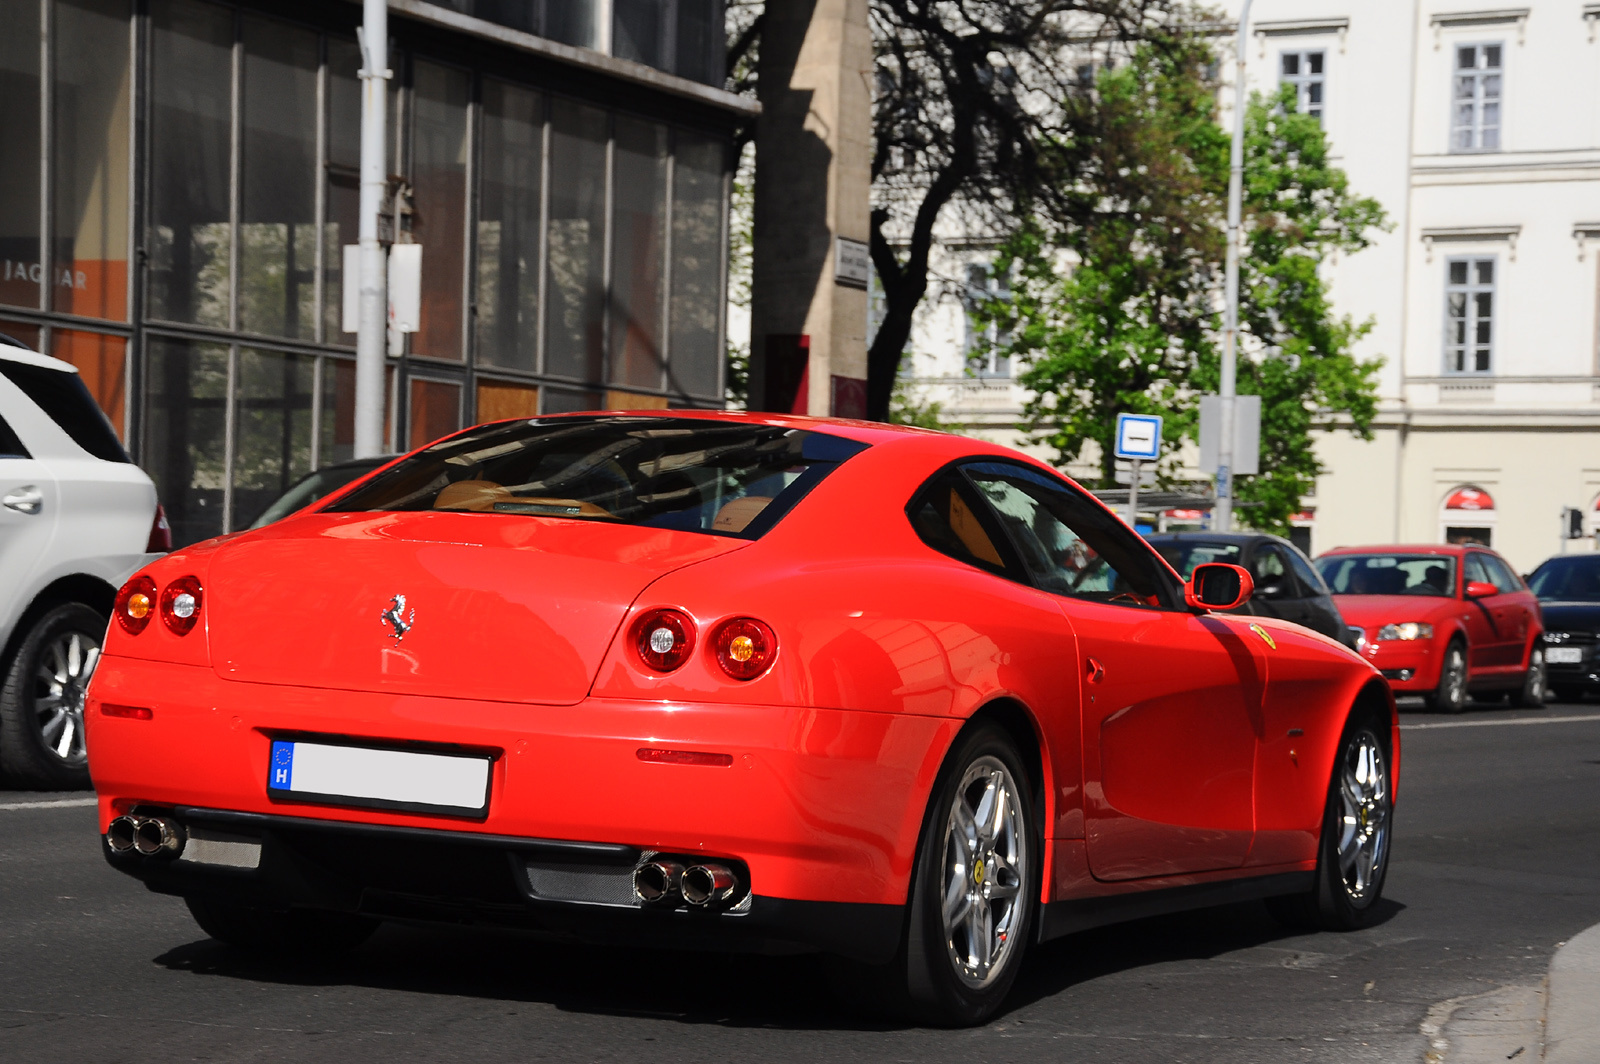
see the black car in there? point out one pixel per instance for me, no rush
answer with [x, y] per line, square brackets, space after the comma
[1569, 598]
[313, 486]
[1287, 585]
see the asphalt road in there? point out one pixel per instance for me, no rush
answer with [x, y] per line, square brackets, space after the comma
[1496, 862]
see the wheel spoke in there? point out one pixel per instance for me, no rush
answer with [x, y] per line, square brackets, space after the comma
[997, 816]
[986, 807]
[68, 733]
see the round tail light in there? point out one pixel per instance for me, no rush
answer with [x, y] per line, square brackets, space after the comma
[135, 603]
[744, 647]
[664, 639]
[180, 605]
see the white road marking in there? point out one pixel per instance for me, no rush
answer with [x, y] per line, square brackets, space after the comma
[1490, 723]
[64, 803]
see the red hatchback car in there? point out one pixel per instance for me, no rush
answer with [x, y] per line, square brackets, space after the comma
[1443, 622]
[721, 680]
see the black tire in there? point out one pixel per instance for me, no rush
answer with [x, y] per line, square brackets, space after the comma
[296, 933]
[1334, 903]
[1451, 694]
[41, 701]
[1531, 694]
[926, 983]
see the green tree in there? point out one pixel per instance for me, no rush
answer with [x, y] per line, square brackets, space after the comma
[1133, 324]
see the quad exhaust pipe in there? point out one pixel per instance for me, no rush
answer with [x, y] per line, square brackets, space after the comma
[151, 836]
[664, 882]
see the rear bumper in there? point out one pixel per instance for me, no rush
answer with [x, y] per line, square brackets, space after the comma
[415, 874]
[821, 806]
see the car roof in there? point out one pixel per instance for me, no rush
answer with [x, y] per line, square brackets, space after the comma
[29, 356]
[1215, 537]
[1453, 549]
[849, 428]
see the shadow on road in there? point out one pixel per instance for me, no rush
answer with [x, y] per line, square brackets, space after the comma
[732, 990]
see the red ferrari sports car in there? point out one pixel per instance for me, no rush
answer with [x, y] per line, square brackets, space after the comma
[1442, 621]
[729, 681]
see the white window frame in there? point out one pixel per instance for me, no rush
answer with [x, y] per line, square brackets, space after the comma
[1459, 356]
[1303, 81]
[1479, 74]
[995, 366]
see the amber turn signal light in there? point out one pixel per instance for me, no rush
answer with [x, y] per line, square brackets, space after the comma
[135, 603]
[663, 639]
[744, 647]
[180, 605]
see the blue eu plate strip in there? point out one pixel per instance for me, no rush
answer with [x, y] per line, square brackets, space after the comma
[282, 770]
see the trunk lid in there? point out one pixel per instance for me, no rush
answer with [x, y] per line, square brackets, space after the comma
[504, 608]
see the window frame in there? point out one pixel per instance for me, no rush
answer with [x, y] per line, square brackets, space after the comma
[1303, 81]
[1469, 290]
[1477, 73]
[1169, 592]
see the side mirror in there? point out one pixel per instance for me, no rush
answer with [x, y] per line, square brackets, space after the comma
[1479, 589]
[1218, 586]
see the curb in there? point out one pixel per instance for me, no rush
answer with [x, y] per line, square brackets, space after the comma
[1572, 1010]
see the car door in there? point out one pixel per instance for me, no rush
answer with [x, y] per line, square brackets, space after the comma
[1515, 611]
[1486, 638]
[1170, 700]
[27, 514]
[1322, 615]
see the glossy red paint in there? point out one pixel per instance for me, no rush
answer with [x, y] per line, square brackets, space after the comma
[1164, 735]
[1500, 628]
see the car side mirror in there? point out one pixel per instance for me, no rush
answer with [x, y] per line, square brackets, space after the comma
[1218, 586]
[1479, 589]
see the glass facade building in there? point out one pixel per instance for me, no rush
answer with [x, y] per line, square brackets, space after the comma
[178, 179]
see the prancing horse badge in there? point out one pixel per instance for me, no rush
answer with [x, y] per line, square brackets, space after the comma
[398, 618]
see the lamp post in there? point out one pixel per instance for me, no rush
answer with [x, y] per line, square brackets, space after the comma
[1230, 321]
[373, 320]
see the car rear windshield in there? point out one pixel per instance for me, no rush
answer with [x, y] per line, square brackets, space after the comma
[1389, 574]
[63, 396]
[1184, 555]
[721, 478]
[1567, 580]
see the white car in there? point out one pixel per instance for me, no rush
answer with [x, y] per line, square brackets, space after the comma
[77, 518]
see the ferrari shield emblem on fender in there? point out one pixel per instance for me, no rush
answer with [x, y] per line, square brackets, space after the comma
[398, 618]
[1256, 628]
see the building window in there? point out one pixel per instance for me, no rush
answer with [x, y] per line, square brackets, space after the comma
[1469, 315]
[984, 339]
[1475, 107]
[1303, 70]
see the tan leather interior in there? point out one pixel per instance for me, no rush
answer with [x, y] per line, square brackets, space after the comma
[966, 527]
[478, 495]
[735, 516]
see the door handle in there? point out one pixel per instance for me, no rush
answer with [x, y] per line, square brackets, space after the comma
[1093, 671]
[27, 499]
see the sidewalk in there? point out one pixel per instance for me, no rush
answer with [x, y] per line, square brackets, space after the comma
[1557, 1022]
[1572, 1012]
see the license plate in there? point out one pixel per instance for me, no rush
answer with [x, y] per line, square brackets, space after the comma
[1564, 656]
[409, 780]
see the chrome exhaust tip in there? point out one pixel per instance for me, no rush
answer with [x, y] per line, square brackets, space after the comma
[707, 884]
[656, 882]
[156, 836]
[120, 835]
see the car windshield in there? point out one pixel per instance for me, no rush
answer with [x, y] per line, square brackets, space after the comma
[1183, 555]
[1389, 574]
[718, 477]
[313, 486]
[1567, 580]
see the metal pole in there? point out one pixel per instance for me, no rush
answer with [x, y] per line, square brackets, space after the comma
[1133, 494]
[371, 335]
[1230, 322]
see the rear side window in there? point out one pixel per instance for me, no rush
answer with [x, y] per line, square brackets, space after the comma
[692, 475]
[1500, 574]
[1308, 575]
[63, 396]
[950, 518]
[10, 443]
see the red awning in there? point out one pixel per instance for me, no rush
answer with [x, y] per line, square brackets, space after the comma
[1469, 499]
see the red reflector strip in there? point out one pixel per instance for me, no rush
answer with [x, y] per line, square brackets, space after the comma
[684, 757]
[130, 712]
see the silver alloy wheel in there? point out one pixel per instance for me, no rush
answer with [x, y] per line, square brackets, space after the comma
[1533, 689]
[61, 683]
[1364, 815]
[1455, 682]
[985, 869]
